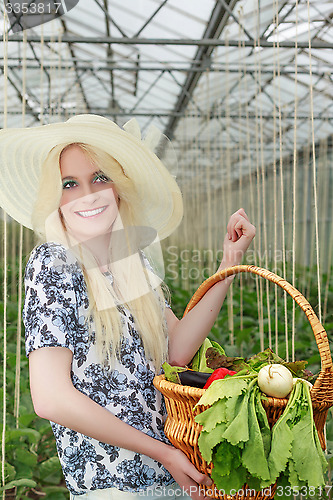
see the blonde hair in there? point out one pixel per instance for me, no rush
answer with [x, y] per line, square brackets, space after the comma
[133, 282]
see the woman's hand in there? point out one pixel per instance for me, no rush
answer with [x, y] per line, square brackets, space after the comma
[240, 233]
[185, 474]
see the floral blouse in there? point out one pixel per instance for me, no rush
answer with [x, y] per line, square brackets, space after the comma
[54, 315]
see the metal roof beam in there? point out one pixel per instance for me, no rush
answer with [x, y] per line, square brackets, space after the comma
[202, 42]
[88, 66]
[163, 114]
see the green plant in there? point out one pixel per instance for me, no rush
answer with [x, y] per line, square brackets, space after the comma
[31, 462]
[32, 467]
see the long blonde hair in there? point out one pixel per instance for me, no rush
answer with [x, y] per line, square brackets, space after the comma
[145, 302]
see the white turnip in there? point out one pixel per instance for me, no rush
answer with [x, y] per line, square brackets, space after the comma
[275, 380]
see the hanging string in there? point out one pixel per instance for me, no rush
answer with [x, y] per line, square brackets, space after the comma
[19, 331]
[60, 73]
[4, 367]
[221, 164]
[294, 183]
[12, 234]
[289, 207]
[199, 195]
[281, 169]
[222, 206]
[312, 230]
[24, 77]
[314, 167]
[52, 70]
[240, 158]
[228, 165]
[263, 185]
[20, 258]
[41, 75]
[259, 210]
[305, 240]
[208, 174]
[216, 192]
[251, 187]
[4, 421]
[275, 208]
[187, 224]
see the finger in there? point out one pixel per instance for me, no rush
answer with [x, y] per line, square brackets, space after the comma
[232, 221]
[207, 481]
[239, 232]
[242, 212]
[231, 225]
[234, 235]
[246, 228]
[199, 477]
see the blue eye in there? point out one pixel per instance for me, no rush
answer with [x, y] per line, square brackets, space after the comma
[69, 184]
[102, 177]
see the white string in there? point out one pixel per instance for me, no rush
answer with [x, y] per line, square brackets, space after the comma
[259, 213]
[41, 75]
[276, 20]
[294, 188]
[209, 243]
[263, 184]
[314, 169]
[281, 167]
[240, 162]
[228, 165]
[4, 367]
[252, 204]
[19, 304]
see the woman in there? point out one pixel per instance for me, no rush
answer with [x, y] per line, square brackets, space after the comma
[97, 324]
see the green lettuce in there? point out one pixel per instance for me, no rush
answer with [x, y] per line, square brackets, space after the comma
[237, 439]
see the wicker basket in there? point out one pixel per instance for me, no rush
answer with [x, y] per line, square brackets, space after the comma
[180, 426]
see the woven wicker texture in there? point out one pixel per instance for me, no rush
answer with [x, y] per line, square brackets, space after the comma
[183, 431]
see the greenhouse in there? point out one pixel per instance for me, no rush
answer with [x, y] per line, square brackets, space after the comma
[242, 93]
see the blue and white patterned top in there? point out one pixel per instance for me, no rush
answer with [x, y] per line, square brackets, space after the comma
[54, 314]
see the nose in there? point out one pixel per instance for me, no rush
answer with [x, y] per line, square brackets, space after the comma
[89, 194]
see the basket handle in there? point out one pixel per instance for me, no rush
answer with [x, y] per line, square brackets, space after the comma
[317, 328]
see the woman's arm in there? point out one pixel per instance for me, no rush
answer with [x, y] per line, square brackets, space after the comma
[56, 399]
[187, 335]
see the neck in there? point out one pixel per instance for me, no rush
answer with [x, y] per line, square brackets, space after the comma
[99, 247]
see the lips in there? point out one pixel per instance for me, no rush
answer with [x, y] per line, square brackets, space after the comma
[91, 213]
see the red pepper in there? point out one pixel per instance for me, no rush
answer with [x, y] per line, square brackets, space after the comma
[218, 374]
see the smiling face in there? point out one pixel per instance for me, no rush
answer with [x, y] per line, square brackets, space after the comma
[89, 202]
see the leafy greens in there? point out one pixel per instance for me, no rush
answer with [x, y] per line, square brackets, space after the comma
[237, 439]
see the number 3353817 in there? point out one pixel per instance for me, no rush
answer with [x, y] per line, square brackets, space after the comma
[32, 7]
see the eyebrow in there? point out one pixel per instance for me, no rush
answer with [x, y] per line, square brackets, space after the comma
[71, 177]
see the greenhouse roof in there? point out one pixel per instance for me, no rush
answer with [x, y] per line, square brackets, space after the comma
[214, 73]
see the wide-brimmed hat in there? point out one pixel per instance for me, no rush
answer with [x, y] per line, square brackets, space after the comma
[23, 152]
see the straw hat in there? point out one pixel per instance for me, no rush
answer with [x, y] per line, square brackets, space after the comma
[23, 152]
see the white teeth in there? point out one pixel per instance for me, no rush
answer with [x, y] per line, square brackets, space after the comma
[90, 213]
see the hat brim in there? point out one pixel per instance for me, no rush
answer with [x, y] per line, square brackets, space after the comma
[23, 152]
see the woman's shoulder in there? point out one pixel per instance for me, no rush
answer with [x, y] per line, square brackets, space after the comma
[52, 256]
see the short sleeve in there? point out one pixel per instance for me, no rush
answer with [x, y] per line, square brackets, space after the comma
[50, 312]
